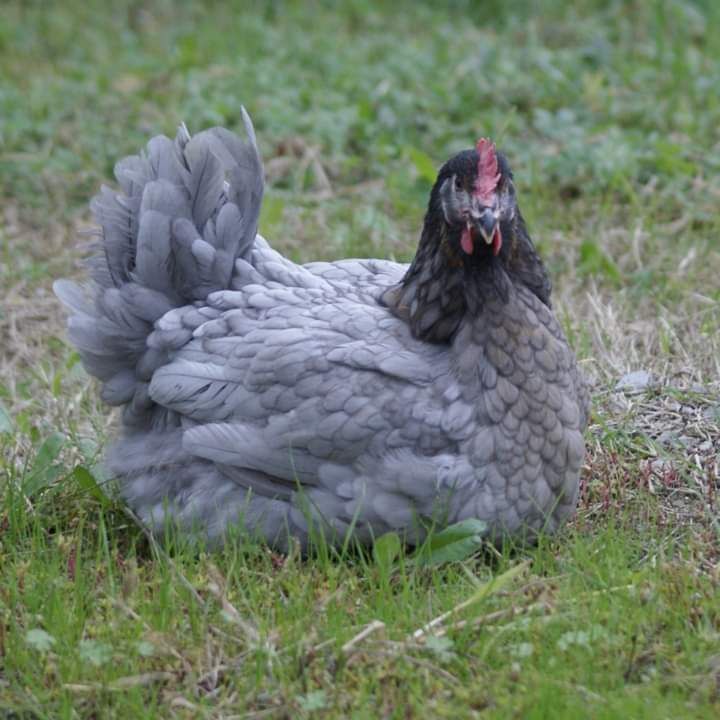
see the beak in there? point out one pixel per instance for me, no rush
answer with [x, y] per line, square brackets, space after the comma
[486, 224]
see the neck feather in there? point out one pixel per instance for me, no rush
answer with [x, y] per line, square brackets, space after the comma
[443, 286]
[440, 288]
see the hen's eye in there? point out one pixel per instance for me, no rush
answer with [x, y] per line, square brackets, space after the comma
[458, 184]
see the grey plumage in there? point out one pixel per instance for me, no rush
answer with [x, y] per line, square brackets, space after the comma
[361, 395]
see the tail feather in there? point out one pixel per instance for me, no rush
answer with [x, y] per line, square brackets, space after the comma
[205, 181]
[187, 210]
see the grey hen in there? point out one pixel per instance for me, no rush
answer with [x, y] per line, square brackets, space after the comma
[359, 396]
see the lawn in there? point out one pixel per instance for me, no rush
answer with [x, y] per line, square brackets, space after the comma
[610, 115]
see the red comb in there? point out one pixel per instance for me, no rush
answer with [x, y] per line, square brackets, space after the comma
[487, 175]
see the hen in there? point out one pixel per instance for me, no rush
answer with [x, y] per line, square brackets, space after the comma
[353, 397]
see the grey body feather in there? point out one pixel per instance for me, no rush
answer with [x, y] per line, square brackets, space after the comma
[270, 396]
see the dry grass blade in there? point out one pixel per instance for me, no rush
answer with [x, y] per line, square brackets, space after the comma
[217, 587]
[158, 550]
[494, 617]
[124, 683]
[484, 591]
[157, 638]
[369, 629]
[400, 651]
[543, 607]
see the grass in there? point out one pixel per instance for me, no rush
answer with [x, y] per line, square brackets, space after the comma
[608, 114]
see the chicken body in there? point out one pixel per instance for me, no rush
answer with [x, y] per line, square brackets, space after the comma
[283, 399]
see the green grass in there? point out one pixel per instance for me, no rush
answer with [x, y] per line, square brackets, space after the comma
[597, 626]
[610, 117]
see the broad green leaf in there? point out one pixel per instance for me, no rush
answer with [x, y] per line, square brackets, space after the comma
[145, 648]
[95, 652]
[582, 638]
[454, 543]
[386, 549]
[315, 700]
[39, 640]
[86, 480]
[43, 470]
[521, 650]
[49, 450]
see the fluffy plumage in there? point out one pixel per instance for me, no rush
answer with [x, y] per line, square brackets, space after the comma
[359, 396]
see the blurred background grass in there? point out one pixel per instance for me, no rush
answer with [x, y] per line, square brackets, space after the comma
[590, 100]
[608, 111]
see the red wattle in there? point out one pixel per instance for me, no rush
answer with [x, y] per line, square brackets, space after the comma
[497, 241]
[466, 241]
